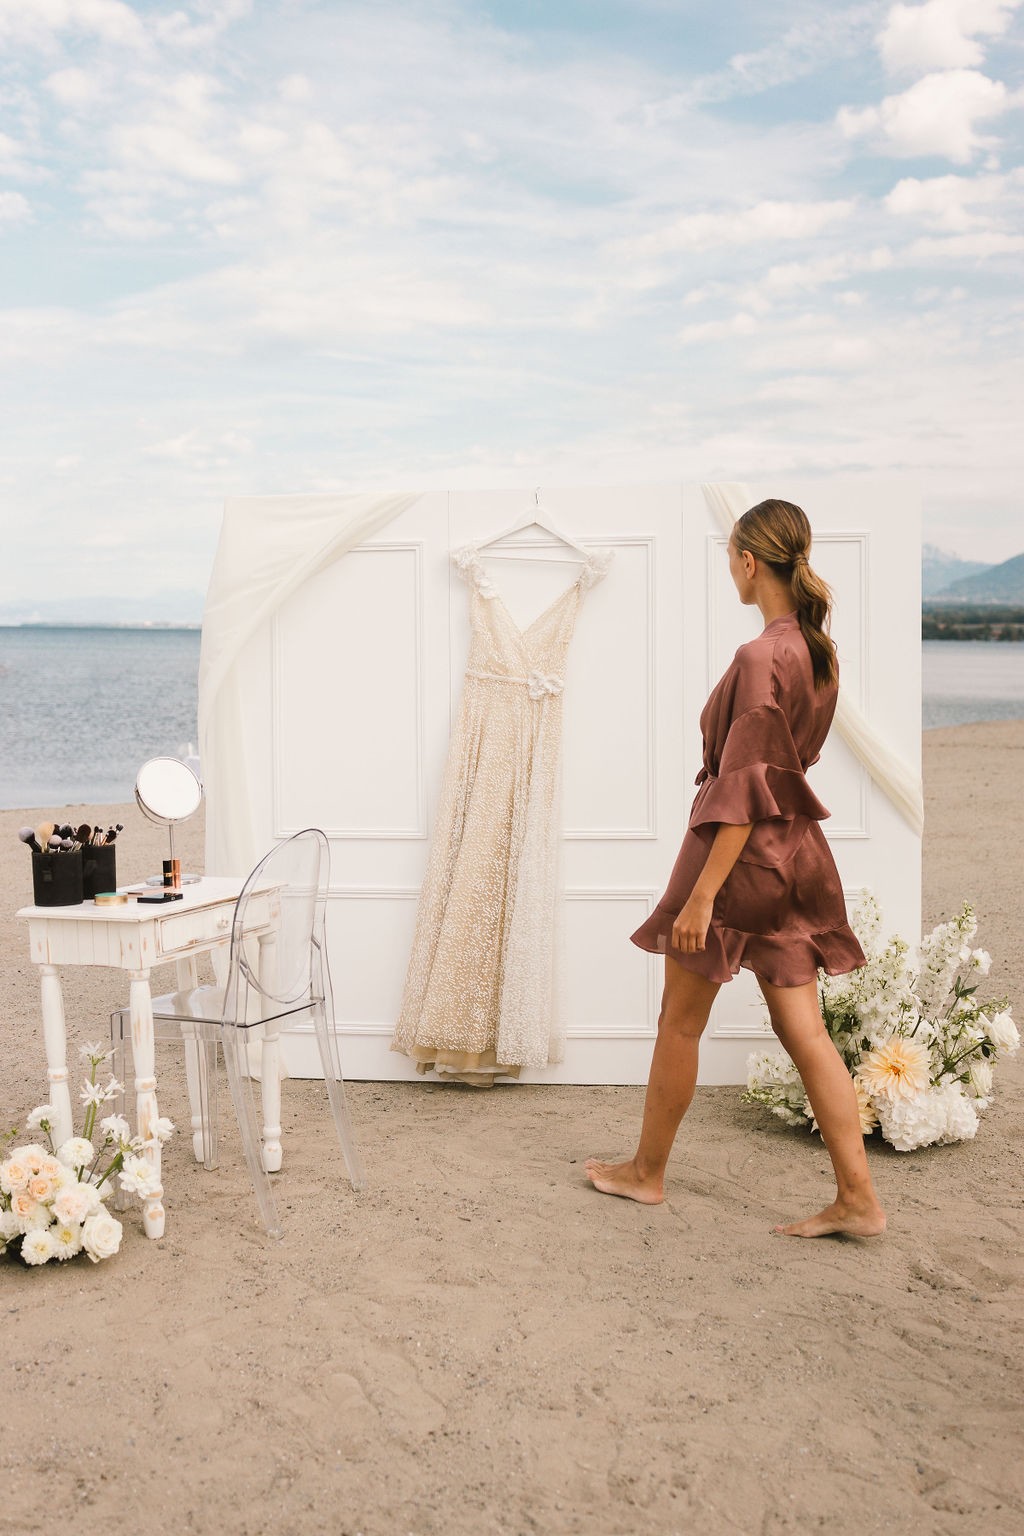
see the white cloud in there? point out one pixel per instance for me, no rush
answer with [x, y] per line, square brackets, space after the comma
[716, 330]
[73, 87]
[938, 115]
[941, 34]
[742, 226]
[14, 209]
[40, 21]
[951, 202]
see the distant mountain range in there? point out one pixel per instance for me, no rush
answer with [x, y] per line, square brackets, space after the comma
[948, 579]
[161, 608]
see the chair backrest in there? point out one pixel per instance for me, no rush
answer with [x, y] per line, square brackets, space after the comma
[299, 868]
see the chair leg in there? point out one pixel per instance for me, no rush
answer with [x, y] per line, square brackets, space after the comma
[331, 1064]
[241, 1086]
[188, 1035]
[206, 1071]
[270, 1093]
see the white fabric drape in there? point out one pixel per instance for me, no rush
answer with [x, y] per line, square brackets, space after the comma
[727, 501]
[269, 545]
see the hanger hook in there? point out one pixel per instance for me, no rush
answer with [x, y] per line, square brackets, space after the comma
[536, 496]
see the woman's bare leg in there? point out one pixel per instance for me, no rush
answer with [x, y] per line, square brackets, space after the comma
[685, 1006]
[796, 1019]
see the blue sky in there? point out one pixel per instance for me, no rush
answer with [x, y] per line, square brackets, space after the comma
[283, 246]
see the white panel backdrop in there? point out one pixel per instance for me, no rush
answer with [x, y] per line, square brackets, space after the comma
[350, 690]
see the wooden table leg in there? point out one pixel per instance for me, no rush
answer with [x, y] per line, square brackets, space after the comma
[188, 979]
[56, 1039]
[144, 1055]
[270, 1058]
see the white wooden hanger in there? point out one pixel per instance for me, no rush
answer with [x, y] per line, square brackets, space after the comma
[533, 517]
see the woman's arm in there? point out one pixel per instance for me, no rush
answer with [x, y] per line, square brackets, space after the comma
[690, 928]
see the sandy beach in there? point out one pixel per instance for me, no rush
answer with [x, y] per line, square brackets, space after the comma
[480, 1343]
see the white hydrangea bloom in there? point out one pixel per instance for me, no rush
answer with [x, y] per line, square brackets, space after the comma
[939, 1115]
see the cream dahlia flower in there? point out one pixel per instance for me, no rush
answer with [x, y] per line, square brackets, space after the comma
[899, 1068]
[865, 1108]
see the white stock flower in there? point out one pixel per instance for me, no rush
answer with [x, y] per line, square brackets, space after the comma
[1002, 1032]
[116, 1127]
[981, 960]
[101, 1235]
[41, 1113]
[37, 1247]
[138, 1177]
[76, 1152]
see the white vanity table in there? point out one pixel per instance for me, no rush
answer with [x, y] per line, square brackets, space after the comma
[134, 938]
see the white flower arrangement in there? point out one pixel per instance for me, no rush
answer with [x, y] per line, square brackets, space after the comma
[51, 1198]
[918, 1043]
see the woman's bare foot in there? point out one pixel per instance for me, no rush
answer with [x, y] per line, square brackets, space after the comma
[623, 1179]
[854, 1221]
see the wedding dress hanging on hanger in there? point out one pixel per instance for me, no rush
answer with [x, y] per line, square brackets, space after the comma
[480, 996]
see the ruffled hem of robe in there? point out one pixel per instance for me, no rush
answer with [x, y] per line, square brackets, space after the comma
[783, 960]
[758, 792]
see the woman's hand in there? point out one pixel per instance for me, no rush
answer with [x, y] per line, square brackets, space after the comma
[690, 928]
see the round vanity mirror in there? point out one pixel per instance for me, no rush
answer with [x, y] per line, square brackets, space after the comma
[167, 790]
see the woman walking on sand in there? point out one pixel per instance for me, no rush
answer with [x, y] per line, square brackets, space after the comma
[755, 883]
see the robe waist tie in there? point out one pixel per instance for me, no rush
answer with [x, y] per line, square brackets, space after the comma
[540, 684]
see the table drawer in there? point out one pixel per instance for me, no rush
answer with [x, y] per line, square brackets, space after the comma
[205, 926]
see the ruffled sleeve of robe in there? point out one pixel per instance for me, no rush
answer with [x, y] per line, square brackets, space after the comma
[752, 770]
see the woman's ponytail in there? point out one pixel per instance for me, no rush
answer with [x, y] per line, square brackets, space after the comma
[778, 533]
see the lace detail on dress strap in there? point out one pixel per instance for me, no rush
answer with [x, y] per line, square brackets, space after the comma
[595, 568]
[467, 562]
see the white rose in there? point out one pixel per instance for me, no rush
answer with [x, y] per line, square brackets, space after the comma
[1002, 1032]
[76, 1152]
[981, 1079]
[37, 1247]
[101, 1235]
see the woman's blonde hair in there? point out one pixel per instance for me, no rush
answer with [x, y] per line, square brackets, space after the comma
[778, 533]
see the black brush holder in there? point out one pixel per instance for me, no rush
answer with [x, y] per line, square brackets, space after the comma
[99, 869]
[57, 879]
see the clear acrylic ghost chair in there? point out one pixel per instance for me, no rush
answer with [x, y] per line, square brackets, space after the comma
[275, 976]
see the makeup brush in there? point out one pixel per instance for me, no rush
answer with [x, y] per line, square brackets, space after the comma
[66, 831]
[27, 835]
[84, 832]
[113, 831]
[67, 846]
[53, 843]
[44, 832]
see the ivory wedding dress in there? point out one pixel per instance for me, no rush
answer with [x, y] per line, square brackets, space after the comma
[480, 995]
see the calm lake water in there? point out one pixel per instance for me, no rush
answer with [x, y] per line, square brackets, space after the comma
[81, 709]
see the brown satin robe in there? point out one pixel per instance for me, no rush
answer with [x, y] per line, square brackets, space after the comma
[781, 911]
